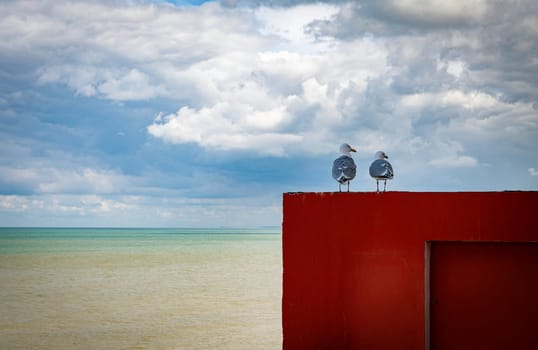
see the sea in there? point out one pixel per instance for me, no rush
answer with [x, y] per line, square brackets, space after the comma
[112, 288]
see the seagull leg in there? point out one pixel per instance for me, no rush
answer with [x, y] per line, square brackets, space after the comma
[348, 186]
[339, 187]
[385, 186]
[377, 185]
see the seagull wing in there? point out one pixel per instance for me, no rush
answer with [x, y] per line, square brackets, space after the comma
[344, 169]
[390, 172]
[380, 168]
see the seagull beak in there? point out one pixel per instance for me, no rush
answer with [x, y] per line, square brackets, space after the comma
[353, 149]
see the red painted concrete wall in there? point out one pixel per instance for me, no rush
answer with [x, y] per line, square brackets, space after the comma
[357, 265]
[484, 295]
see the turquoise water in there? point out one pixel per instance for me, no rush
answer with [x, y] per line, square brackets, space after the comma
[58, 240]
[65, 288]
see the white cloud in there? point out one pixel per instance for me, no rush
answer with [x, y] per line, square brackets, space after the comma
[83, 181]
[289, 24]
[56, 206]
[47, 179]
[275, 100]
[244, 88]
[226, 127]
[97, 204]
[137, 211]
[118, 51]
[14, 203]
[82, 204]
[436, 11]
[115, 84]
[80, 78]
[469, 100]
[533, 172]
[133, 85]
[456, 161]
[453, 67]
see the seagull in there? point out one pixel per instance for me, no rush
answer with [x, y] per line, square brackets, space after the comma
[381, 169]
[344, 168]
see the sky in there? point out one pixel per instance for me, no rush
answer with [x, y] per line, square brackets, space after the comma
[203, 113]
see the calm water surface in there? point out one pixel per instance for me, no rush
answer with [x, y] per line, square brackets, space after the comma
[140, 289]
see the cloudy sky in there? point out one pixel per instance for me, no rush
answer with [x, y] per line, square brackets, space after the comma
[202, 113]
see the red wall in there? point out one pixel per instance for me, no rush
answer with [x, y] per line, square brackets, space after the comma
[357, 266]
[484, 295]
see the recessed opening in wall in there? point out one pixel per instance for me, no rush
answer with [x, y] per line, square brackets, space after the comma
[481, 295]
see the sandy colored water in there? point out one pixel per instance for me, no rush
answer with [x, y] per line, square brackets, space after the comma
[225, 295]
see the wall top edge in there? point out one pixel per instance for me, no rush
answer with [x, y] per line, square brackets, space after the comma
[407, 192]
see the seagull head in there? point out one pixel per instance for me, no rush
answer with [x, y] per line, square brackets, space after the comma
[346, 148]
[381, 155]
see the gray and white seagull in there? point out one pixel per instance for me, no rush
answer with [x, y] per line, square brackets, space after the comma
[344, 168]
[381, 169]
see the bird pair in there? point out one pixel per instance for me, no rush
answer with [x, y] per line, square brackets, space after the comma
[345, 169]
